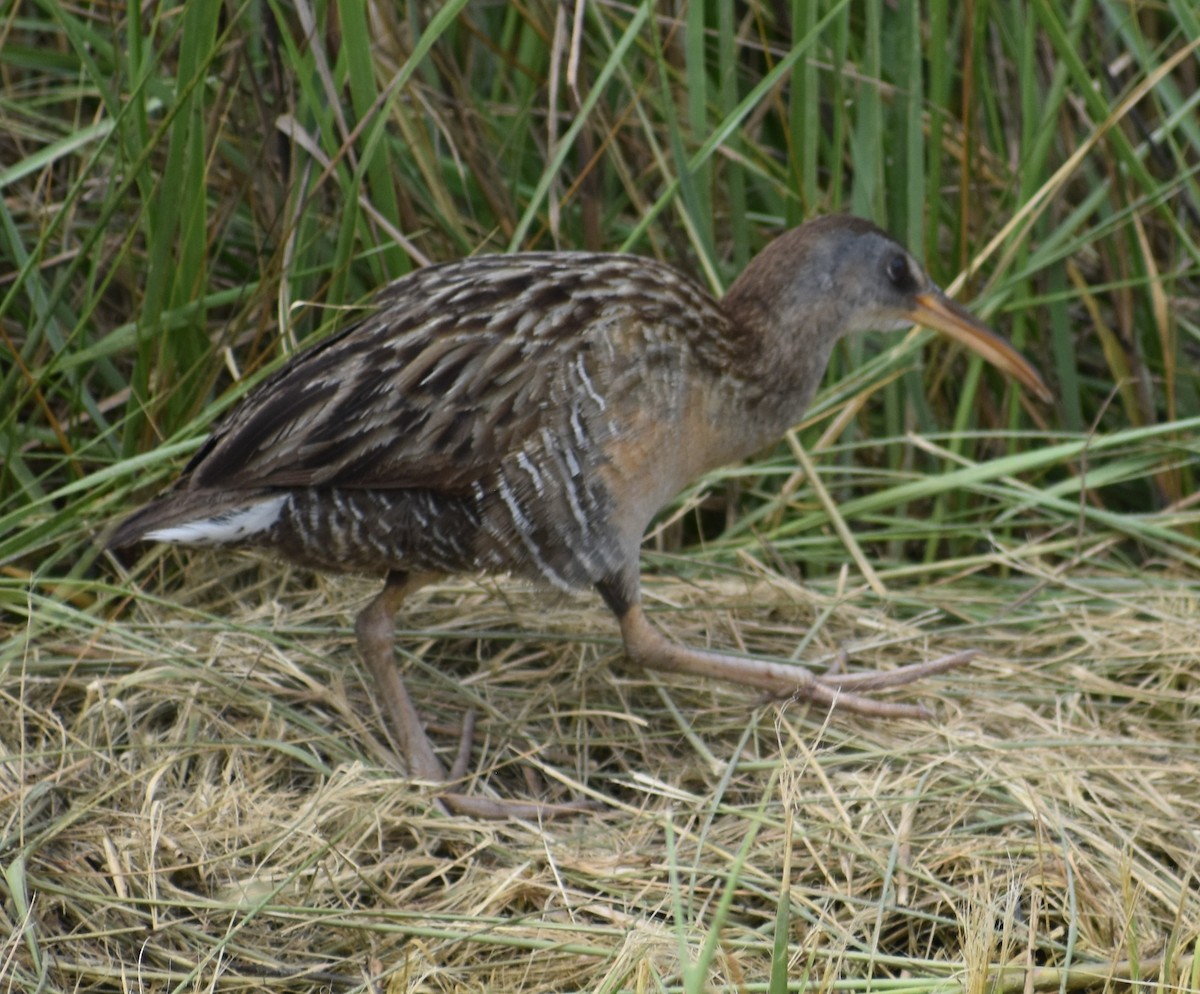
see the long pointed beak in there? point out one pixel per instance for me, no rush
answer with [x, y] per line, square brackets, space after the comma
[937, 311]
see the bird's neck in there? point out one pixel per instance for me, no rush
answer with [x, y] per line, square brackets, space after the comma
[740, 415]
[785, 360]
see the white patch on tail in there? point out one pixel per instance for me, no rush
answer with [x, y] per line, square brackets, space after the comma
[231, 526]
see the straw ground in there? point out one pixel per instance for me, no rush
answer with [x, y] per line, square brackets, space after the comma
[204, 798]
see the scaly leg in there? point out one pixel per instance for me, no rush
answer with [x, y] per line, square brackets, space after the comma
[376, 630]
[375, 627]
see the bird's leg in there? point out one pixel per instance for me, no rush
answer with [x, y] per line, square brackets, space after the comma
[376, 630]
[375, 627]
[646, 646]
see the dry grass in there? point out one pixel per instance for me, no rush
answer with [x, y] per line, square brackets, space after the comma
[204, 798]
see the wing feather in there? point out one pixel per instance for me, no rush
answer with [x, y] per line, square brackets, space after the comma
[457, 367]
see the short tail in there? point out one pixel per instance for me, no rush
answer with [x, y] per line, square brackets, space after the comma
[200, 517]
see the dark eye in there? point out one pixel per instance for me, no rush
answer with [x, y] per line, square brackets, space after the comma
[899, 273]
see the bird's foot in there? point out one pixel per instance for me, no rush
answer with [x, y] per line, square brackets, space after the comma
[487, 808]
[848, 690]
[375, 633]
[422, 763]
[647, 646]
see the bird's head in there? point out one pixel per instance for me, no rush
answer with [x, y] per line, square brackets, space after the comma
[839, 274]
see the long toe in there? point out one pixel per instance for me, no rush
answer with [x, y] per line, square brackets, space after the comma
[490, 809]
[881, 679]
[845, 690]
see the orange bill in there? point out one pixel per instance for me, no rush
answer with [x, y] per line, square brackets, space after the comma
[937, 311]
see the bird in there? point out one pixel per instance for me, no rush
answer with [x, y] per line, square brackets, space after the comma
[528, 414]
